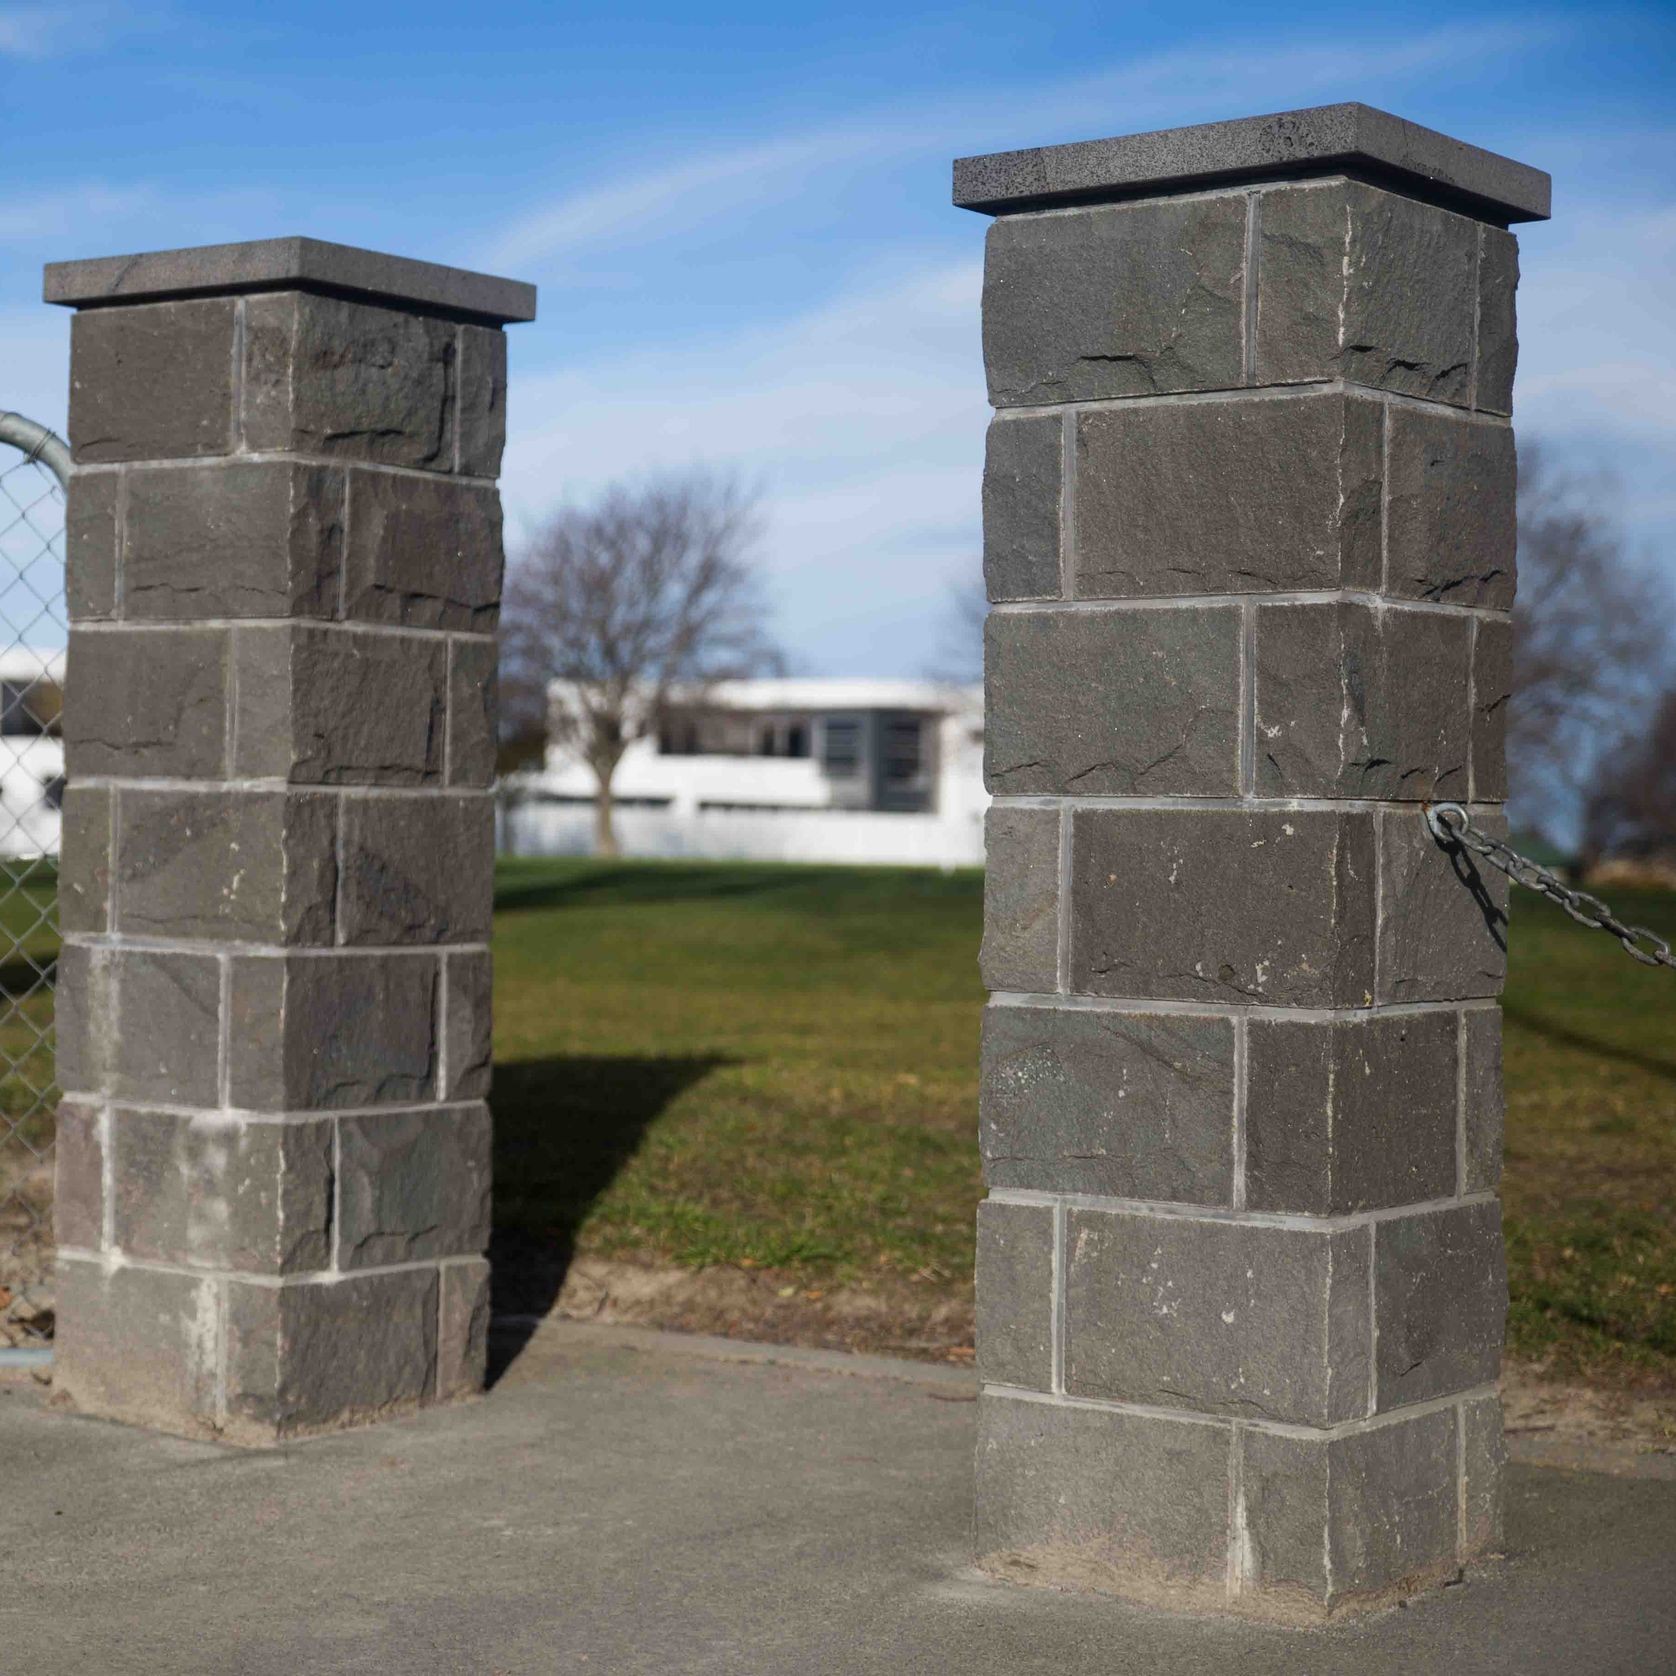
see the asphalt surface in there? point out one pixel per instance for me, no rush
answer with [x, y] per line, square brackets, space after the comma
[630, 1502]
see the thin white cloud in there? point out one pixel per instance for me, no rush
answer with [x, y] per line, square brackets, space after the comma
[55, 31]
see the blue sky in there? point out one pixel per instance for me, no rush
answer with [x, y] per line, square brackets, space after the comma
[738, 218]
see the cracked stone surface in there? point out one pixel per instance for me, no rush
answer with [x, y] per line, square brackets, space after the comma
[1357, 702]
[417, 869]
[1022, 495]
[1103, 702]
[423, 554]
[1223, 905]
[1237, 496]
[1492, 693]
[1225, 1318]
[1129, 1105]
[1021, 899]
[1118, 300]
[1498, 338]
[412, 1185]
[157, 707]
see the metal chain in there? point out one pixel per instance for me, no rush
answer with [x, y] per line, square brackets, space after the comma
[1452, 826]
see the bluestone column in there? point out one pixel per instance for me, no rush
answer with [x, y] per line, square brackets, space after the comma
[284, 556]
[1249, 535]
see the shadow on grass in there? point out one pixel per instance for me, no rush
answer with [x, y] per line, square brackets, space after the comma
[663, 882]
[1562, 1035]
[564, 1129]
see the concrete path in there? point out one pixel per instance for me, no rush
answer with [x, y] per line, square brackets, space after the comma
[630, 1502]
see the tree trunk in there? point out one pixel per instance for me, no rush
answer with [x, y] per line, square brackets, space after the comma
[605, 833]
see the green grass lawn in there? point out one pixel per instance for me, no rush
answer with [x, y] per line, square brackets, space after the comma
[776, 1066]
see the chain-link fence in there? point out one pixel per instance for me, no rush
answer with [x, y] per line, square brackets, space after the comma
[33, 465]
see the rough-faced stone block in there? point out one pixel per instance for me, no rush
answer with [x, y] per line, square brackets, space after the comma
[320, 1355]
[412, 1185]
[329, 706]
[1440, 1301]
[220, 1192]
[1023, 488]
[1251, 1321]
[1483, 1101]
[146, 702]
[1492, 694]
[1358, 702]
[1483, 1463]
[139, 1024]
[482, 404]
[1351, 1114]
[1131, 1504]
[152, 382]
[1116, 300]
[468, 1040]
[84, 868]
[1450, 518]
[141, 1345]
[473, 712]
[1021, 900]
[1443, 924]
[423, 553]
[233, 539]
[1113, 702]
[417, 869]
[1015, 1283]
[90, 519]
[1357, 1521]
[326, 376]
[1498, 338]
[218, 865]
[1237, 496]
[462, 1350]
[1223, 905]
[1361, 284]
[1128, 1105]
[78, 1202]
[314, 1032]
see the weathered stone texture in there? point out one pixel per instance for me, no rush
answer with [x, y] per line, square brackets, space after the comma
[462, 1351]
[412, 1185]
[423, 553]
[1359, 1520]
[327, 376]
[417, 869]
[152, 702]
[78, 1202]
[1249, 1321]
[481, 416]
[1127, 1503]
[1498, 338]
[152, 382]
[318, 1356]
[1350, 1115]
[1357, 283]
[241, 865]
[84, 868]
[473, 707]
[1116, 300]
[1223, 905]
[1484, 1101]
[1443, 931]
[1021, 900]
[1483, 1463]
[1492, 695]
[233, 539]
[1440, 1297]
[1237, 496]
[1023, 491]
[1120, 701]
[1450, 514]
[1015, 1284]
[90, 514]
[1353, 701]
[1128, 1105]
[468, 1036]
[216, 1191]
[312, 1032]
[328, 706]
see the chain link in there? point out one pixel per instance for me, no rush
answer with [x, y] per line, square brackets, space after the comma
[1452, 826]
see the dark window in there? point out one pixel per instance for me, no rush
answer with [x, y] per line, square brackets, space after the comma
[902, 754]
[841, 748]
[797, 740]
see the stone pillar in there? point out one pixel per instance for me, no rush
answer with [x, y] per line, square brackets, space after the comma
[284, 555]
[1248, 531]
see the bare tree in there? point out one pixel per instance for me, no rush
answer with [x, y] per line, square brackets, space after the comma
[1631, 812]
[646, 592]
[1591, 640]
[959, 659]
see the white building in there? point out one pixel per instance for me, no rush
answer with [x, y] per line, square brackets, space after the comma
[31, 751]
[782, 770]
